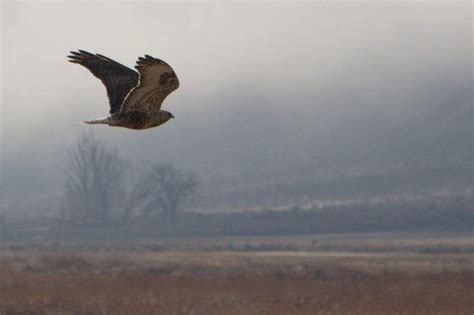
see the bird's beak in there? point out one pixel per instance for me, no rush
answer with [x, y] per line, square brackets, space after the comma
[172, 116]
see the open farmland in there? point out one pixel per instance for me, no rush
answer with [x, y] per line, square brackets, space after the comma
[349, 275]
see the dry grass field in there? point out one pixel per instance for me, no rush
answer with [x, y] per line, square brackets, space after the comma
[324, 275]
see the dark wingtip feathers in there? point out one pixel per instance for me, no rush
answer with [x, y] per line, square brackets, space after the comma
[80, 55]
[147, 60]
[86, 53]
[83, 54]
[75, 57]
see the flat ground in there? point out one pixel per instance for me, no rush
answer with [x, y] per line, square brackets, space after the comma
[342, 274]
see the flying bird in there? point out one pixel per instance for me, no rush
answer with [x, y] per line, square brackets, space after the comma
[135, 98]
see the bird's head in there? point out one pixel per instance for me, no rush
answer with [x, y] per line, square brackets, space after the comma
[167, 114]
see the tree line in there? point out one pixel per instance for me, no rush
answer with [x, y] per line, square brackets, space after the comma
[101, 187]
[444, 213]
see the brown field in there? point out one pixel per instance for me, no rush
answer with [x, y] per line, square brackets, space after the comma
[323, 275]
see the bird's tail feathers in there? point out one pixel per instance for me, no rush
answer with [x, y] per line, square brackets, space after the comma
[98, 121]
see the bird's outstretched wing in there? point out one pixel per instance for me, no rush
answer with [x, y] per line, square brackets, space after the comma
[157, 81]
[117, 78]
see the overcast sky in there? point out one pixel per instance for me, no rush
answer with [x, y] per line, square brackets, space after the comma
[263, 85]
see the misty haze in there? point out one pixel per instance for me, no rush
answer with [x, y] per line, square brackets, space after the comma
[307, 135]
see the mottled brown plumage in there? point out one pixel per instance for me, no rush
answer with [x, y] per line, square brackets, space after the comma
[135, 98]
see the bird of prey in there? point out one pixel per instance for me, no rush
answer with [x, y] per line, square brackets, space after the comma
[135, 98]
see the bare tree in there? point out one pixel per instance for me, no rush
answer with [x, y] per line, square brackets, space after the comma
[94, 184]
[162, 190]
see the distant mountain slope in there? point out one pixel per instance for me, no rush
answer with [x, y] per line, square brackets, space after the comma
[440, 135]
[429, 151]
